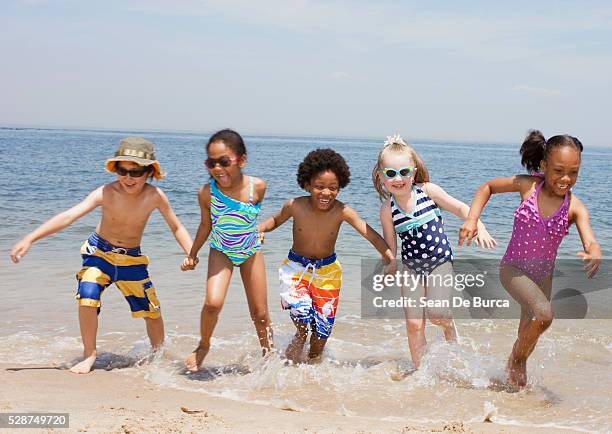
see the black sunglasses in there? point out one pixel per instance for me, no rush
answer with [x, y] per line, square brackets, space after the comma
[223, 162]
[136, 173]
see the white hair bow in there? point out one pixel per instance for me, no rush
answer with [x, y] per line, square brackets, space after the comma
[395, 139]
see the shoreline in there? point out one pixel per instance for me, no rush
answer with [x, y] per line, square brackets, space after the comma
[109, 401]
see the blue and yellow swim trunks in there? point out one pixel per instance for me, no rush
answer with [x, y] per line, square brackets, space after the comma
[309, 289]
[105, 264]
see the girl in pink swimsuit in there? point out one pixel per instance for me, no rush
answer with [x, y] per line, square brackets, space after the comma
[541, 221]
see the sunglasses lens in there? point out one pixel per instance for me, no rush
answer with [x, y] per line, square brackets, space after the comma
[223, 162]
[390, 173]
[406, 172]
[137, 173]
[133, 173]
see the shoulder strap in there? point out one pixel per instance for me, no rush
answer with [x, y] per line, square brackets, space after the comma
[213, 187]
[250, 189]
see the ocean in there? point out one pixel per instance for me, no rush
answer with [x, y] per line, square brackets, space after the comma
[366, 368]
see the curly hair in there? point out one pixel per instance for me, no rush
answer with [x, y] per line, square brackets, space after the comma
[322, 160]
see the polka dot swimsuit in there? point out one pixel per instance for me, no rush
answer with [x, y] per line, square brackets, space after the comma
[424, 243]
[535, 240]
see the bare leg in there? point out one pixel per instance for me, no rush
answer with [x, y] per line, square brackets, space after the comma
[155, 331]
[415, 328]
[219, 274]
[415, 324]
[88, 322]
[437, 290]
[536, 317]
[295, 348]
[253, 273]
[317, 345]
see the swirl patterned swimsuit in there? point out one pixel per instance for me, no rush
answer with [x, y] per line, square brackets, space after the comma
[535, 240]
[424, 243]
[234, 231]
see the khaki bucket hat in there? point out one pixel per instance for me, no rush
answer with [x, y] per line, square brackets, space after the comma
[138, 150]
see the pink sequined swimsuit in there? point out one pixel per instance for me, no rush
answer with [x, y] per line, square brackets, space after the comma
[535, 240]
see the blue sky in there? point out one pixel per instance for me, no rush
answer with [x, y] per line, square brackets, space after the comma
[482, 71]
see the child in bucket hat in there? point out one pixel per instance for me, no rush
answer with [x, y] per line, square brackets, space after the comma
[112, 253]
[140, 151]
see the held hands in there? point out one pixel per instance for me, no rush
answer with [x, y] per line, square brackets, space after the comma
[391, 267]
[591, 263]
[20, 249]
[471, 229]
[483, 238]
[261, 233]
[189, 263]
[468, 230]
[390, 261]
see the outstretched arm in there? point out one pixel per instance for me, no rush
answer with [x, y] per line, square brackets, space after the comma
[461, 210]
[518, 183]
[278, 218]
[175, 225]
[190, 262]
[592, 250]
[57, 223]
[350, 216]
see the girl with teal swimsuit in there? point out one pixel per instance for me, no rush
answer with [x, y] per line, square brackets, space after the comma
[230, 204]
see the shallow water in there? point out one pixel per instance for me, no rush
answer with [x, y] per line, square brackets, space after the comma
[366, 369]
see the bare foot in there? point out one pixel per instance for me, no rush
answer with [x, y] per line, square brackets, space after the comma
[517, 373]
[295, 348]
[193, 362]
[315, 360]
[84, 367]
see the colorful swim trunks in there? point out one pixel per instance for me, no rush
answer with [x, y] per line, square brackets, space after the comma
[104, 264]
[309, 289]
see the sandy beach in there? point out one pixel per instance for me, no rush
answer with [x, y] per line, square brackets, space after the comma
[111, 402]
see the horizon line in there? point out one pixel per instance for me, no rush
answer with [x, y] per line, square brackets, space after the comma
[10, 126]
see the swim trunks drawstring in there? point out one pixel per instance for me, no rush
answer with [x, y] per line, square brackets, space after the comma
[312, 273]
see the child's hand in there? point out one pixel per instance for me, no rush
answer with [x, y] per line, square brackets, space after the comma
[483, 238]
[189, 263]
[20, 249]
[592, 263]
[468, 230]
[390, 268]
[262, 234]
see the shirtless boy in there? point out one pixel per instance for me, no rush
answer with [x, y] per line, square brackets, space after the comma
[311, 276]
[112, 253]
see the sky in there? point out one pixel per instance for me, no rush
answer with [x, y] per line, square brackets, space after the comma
[481, 70]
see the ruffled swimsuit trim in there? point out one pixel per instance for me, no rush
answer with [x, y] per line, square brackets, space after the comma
[234, 204]
[535, 240]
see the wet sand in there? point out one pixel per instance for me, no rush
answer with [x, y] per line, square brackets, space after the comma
[104, 401]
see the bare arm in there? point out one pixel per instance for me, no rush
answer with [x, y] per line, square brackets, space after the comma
[203, 232]
[278, 218]
[386, 221]
[592, 250]
[175, 225]
[461, 210]
[57, 223]
[350, 216]
[518, 183]
[389, 235]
